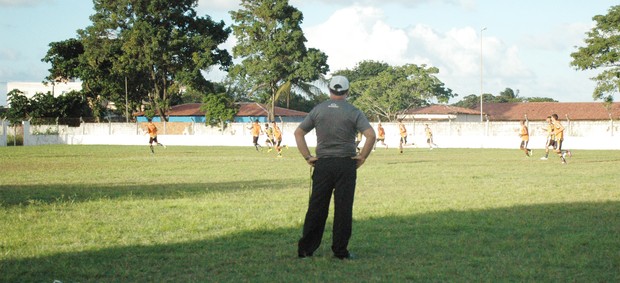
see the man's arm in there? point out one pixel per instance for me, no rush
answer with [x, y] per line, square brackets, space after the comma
[370, 136]
[302, 146]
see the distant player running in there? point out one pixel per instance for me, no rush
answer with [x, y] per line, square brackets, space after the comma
[550, 138]
[524, 133]
[403, 135]
[256, 131]
[380, 136]
[558, 131]
[270, 141]
[152, 131]
[429, 137]
[277, 134]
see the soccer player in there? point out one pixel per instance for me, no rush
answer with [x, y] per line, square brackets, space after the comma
[558, 131]
[550, 138]
[152, 131]
[380, 136]
[256, 131]
[358, 140]
[525, 139]
[429, 137]
[270, 141]
[277, 134]
[403, 135]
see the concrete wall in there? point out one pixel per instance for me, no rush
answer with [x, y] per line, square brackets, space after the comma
[3, 132]
[579, 134]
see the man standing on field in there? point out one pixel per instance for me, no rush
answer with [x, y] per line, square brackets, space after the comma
[335, 167]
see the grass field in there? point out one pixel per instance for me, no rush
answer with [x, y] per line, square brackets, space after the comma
[219, 214]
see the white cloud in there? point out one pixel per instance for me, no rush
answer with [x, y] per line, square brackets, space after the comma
[359, 33]
[355, 34]
[6, 3]
[217, 5]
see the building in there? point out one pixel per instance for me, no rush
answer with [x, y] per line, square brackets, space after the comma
[538, 111]
[248, 112]
[440, 112]
[31, 88]
[513, 112]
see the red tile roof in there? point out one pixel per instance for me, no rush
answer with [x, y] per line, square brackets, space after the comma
[246, 109]
[440, 109]
[189, 109]
[540, 110]
[253, 109]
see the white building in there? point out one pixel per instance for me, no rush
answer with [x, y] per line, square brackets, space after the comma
[31, 88]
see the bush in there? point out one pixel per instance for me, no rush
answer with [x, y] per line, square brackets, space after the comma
[14, 140]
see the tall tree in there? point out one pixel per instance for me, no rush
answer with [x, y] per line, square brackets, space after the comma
[602, 52]
[148, 45]
[272, 45]
[395, 89]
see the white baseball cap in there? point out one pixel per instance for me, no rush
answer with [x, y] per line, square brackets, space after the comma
[339, 84]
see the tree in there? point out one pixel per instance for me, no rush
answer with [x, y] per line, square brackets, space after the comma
[385, 91]
[219, 110]
[153, 45]
[20, 107]
[602, 51]
[272, 45]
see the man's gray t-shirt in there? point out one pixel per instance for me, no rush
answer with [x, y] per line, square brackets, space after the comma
[336, 123]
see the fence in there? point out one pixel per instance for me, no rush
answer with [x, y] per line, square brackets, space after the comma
[447, 134]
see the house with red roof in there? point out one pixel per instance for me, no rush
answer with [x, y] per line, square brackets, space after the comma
[538, 111]
[248, 112]
[440, 112]
[530, 111]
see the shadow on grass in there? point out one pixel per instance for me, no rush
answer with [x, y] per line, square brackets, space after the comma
[22, 195]
[575, 242]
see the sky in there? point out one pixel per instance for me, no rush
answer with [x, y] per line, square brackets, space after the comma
[524, 45]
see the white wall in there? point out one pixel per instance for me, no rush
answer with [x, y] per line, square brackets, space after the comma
[579, 135]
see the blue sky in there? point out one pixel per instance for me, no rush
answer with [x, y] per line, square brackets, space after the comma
[526, 45]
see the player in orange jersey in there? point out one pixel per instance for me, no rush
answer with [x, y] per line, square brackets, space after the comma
[277, 134]
[380, 136]
[550, 138]
[256, 131]
[558, 131]
[403, 134]
[152, 131]
[525, 139]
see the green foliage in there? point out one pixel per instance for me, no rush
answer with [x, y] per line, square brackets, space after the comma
[385, 91]
[219, 110]
[45, 106]
[602, 52]
[142, 47]
[20, 107]
[272, 44]
[14, 140]
[506, 96]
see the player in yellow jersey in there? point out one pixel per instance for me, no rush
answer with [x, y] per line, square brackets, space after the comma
[429, 137]
[550, 138]
[403, 134]
[152, 131]
[524, 133]
[558, 131]
[277, 134]
[270, 141]
[380, 136]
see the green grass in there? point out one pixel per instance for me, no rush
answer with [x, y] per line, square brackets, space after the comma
[229, 214]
